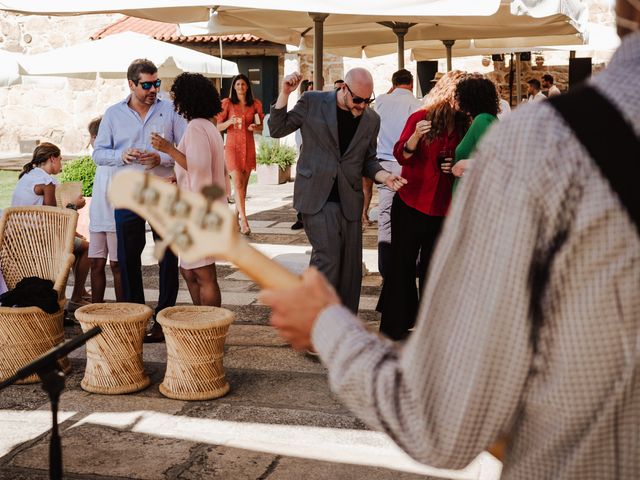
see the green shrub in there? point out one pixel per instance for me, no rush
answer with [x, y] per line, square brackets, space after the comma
[270, 152]
[80, 170]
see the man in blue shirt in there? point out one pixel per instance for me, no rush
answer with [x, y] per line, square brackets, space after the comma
[123, 141]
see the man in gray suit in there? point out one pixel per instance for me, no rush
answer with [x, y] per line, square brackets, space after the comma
[339, 139]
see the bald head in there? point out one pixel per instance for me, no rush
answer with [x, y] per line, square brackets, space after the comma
[358, 84]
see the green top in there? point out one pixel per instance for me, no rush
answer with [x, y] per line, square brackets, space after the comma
[468, 144]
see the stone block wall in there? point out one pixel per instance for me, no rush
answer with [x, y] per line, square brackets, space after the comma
[46, 108]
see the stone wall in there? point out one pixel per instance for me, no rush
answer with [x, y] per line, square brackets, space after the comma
[47, 108]
[332, 68]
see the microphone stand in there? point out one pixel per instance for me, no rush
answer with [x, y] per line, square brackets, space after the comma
[47, 368]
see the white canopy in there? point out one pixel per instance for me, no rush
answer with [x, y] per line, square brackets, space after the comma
[270, 10]
[600, 38]
[111, 56]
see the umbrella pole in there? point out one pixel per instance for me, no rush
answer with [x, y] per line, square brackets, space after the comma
[400, 32]
[518, 81]
[448, 44]
[318, 34]
[220, 47]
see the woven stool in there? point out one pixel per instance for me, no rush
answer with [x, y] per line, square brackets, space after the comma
[26, 335]
[195, 337]
[114, 358]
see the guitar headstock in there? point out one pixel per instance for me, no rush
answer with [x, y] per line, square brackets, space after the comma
[194, 226]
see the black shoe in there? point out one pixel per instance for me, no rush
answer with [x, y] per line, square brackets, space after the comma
[154, 335]
[297, 226]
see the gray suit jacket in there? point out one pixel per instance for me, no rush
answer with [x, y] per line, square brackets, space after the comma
[320, 161]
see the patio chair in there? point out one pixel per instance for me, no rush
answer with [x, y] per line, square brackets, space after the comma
[34, 241]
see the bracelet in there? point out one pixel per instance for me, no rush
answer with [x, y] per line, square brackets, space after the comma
[408, 150]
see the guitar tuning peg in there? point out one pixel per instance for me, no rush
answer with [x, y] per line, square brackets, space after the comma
[212, 192]
[177, 234]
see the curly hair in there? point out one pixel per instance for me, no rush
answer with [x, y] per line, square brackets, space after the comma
[233, 96]
[441, 107]
[476, 94]
[195, 96]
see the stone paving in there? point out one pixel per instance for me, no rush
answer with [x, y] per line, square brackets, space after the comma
[279, 421]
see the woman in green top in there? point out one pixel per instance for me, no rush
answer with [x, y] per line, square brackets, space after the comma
[478, 98]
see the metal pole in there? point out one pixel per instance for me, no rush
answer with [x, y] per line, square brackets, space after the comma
[448, 44]
[518, 81]
[318, 34]
[400, 33]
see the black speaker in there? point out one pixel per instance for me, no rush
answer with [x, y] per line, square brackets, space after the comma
[426, 70]
[579, 70]
[525, 56]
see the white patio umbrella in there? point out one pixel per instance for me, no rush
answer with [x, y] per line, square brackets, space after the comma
[110, 57]
[599, 38]
[268, 14]
[161, 10]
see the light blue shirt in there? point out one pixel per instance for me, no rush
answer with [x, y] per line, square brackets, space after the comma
[122, 128]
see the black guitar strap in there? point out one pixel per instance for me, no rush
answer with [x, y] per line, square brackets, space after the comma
[609, 139]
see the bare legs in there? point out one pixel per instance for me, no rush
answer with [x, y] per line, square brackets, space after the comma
[80, 270]
[240, 182]
[99, 280]
[203, 285]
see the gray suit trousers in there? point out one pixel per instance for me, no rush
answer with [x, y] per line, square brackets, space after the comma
[337, 251]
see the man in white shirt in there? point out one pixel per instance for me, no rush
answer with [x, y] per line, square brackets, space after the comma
[535, 95]
[394, 108]
[547, 83]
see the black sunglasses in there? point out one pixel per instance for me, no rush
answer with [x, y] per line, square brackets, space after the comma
[358, 100]
[148, 85]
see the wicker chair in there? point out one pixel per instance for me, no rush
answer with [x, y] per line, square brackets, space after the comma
[34, 241]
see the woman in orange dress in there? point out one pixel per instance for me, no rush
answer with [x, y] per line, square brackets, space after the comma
[241, 116]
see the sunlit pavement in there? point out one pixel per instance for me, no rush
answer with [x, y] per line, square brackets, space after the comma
[279, 421]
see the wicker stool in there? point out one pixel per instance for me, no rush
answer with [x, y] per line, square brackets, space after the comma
[195, 339]
[114, 358]
[26, 336]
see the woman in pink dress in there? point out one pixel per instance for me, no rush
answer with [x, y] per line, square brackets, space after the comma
[241, 116]
[199, 162]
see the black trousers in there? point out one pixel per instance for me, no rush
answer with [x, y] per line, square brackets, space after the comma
[412, 233]
[131, 234]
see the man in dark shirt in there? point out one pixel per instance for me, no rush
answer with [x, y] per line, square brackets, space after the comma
[339, 138]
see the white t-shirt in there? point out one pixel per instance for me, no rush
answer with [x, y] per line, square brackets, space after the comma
[24, 194]
[101, 217]
[394, 109]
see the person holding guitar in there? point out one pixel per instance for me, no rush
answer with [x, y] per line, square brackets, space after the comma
[529, 328]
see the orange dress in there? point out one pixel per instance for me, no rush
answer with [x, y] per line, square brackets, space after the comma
[240, 148]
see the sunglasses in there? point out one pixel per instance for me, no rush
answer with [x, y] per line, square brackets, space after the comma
[148, 85]
[358, 100]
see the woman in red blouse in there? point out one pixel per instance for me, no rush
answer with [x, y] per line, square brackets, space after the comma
[418, 209]
[241, 117]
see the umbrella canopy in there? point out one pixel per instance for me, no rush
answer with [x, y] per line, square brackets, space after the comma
[161, 10]
[562, 24]
[600, 38]
[110, 57]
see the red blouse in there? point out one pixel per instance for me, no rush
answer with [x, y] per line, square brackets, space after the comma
[428, 189]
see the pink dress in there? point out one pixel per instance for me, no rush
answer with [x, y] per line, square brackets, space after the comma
[240, 149]
[203, 146]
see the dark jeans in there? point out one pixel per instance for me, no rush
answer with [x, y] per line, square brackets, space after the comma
[412, 232]
[130, 230]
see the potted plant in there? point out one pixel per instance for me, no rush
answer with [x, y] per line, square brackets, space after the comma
[81, 170]
[274, 162]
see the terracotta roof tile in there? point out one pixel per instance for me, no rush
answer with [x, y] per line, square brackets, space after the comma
[167, 32]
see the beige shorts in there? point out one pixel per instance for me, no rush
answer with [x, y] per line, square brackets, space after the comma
[103, 245]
